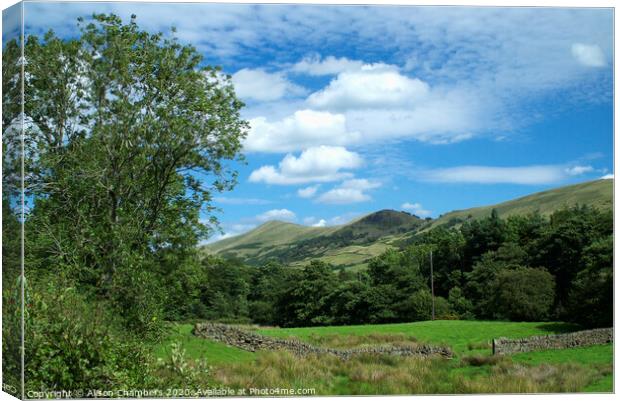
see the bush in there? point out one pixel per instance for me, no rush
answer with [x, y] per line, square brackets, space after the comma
[73, 344]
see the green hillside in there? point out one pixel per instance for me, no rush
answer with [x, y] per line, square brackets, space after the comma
[597, 193]
[346, 245]
[353, 244]
[268, 235]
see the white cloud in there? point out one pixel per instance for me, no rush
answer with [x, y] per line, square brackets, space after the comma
[416, 208]
[333, 221]
[607, 177]
[317, 164]
[276, 214]
[469, 49]
[360, 183]
[343, 196]
[525, 175]
[330, 65]
[320, 223]
[350, 191]
[241, 201]
[439, 121]
[301, 130]
[257, 84]
[579, 170]
[372, 105]
[307, 192]
[376, 86]
[588, 55]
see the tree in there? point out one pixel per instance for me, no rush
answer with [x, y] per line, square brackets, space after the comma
[348, 303]
[482, 236]
[480, 288]
[305, 303]
[524, 294]
[268, 283]
[459, 304]
[561, 246]
[592, 292]
[131, 135]
[448, 268]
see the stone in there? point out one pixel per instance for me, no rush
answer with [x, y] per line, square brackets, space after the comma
[253, 342]
[505, 346]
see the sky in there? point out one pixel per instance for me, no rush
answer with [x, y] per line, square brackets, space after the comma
[354, 109]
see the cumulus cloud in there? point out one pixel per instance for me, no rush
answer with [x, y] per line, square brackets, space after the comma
[257, 84]
[362, 184]
[307, 192]
[588, 55]
[320, 223]
[301, 130]
[525, 175]
[333, 221]
[416, 208]
[372, 86]
[349, 191]
[344, 196]
[317, 164]
[607, 177]
[374, 103]
[330, 65]
[276, 214]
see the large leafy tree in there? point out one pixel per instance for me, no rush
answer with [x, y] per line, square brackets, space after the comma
[128, 137]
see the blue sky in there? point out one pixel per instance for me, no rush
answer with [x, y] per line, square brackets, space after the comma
[424, 109]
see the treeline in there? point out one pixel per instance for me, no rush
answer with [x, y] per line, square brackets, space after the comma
[523, 268]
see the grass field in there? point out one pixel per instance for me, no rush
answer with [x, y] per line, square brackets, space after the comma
[473, 370]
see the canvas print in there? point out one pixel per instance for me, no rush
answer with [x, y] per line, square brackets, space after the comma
[215, 200]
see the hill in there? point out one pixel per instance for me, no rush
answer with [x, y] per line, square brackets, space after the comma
[270, 234]
[345, 245]
[353, 244]
[597, 193]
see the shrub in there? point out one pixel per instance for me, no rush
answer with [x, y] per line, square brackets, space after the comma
[73, 344]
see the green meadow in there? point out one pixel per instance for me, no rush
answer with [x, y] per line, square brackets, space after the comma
[472, 370]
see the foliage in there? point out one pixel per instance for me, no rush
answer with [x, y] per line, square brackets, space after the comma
[592, 289]
[124, 124]
[305, 303]
[524, 294]
[74, 344]
[511, 279]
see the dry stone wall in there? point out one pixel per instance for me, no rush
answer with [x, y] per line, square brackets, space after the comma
[505, 346]
[253, 342]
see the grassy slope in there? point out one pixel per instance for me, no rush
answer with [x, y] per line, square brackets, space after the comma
[268, 235]
[597, 193]
[274, 235]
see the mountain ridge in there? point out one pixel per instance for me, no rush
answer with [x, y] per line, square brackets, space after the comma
[354, 243]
